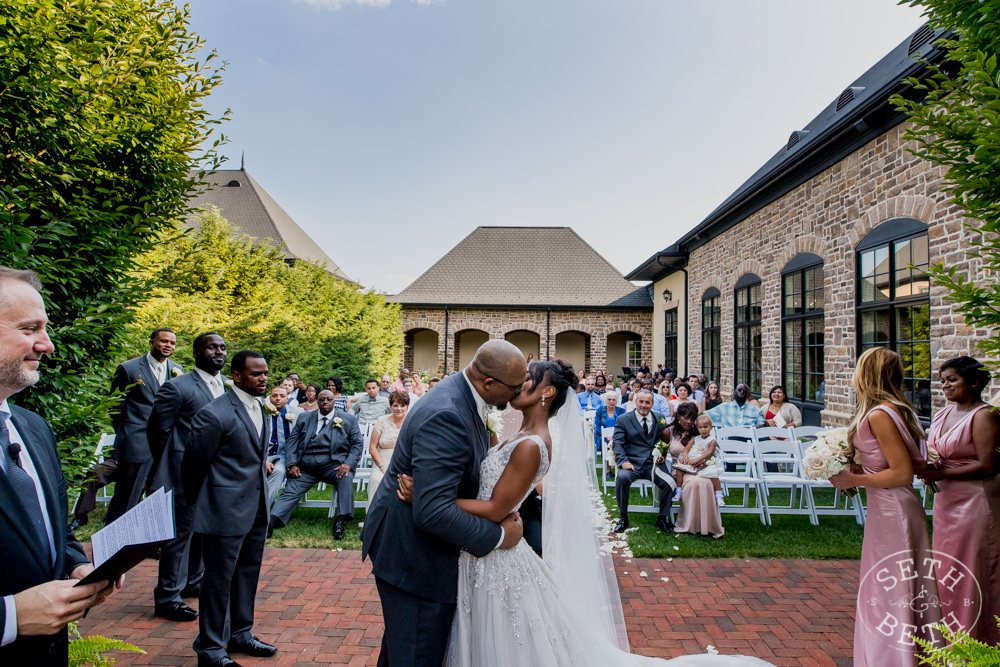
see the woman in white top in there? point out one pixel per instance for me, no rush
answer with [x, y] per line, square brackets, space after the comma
[779, 413]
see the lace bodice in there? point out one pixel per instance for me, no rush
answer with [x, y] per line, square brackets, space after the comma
[496, 460]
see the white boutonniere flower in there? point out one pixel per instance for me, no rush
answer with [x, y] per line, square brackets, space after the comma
[290, 418]
[338, 422]
[662, 422]
[229, 384]
[175, 371]
[494, 421]
[270, 409]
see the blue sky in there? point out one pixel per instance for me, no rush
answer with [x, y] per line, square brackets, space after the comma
[390, 130]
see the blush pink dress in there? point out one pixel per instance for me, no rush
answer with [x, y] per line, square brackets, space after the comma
[967, 528]
[898, 591]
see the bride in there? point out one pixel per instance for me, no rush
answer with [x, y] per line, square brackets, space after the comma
[513, 607]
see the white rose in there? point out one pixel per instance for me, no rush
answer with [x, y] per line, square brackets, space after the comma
[813, 466]
[494, 422]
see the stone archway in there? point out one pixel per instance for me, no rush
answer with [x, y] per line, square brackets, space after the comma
[467, 342]
[574, 347]
[420, 350]
[619, 344]
[528, 342]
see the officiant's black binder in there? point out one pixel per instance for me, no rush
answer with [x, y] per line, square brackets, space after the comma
[122, 561]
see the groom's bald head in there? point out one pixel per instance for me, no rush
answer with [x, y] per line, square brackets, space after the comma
[496, 371]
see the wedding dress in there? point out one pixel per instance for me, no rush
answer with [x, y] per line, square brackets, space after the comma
[514, 609]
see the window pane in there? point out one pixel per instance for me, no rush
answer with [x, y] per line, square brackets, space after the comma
[755, 292]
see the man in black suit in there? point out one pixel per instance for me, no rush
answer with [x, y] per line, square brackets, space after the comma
[324, 446]
[224, 473]
[174, 408]
[138, 379]
[636, 433]
[415, 548]
[42, 560]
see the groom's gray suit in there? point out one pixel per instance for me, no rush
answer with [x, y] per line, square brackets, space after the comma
[415, 548]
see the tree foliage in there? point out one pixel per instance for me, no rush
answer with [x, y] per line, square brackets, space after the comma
[957, 125]
[300, 317]
[101, 125]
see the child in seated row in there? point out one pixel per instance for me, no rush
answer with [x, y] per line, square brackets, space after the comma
[699, 458]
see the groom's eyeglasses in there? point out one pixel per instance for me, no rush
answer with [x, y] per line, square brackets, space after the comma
[516, 390]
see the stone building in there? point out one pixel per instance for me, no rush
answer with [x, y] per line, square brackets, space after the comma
[247, 206]
[821, 255]
[542, 288]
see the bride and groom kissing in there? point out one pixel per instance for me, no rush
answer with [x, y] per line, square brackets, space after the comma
[457, 583]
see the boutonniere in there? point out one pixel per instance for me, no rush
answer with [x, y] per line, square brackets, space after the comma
[494, 421]
[662, 422]
[338, 422]
[138, 380]
[229, 384]
[176, 372]
[270, 409]
[290, 418]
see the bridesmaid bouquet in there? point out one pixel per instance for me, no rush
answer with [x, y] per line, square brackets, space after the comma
[827, 456]
[933, 461]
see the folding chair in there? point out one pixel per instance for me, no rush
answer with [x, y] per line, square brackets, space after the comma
[738, 453]
[785, 456]
[843, 505]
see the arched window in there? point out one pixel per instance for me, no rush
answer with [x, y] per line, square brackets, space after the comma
[711, 334]
[893, 301]
[802, 328]
[746, 322]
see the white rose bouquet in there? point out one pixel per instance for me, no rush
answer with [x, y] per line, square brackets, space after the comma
[494, 422]
[827, 456]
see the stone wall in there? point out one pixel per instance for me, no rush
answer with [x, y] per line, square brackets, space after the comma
[497, 322]
[828, 216]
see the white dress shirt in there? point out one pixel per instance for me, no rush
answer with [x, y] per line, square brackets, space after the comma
[214, 382]
[10, 624]
[253, 406]
[320, 424]
[483, 409]
[159, 367]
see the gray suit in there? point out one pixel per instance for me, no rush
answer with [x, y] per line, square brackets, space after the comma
[334, 445]
[632, 444]
[174, 408]
[129, 420]
[223, 473]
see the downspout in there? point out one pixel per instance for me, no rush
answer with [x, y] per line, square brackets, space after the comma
[548, 332]
[446, 340]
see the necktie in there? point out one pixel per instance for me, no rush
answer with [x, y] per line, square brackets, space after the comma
[322, 426]
[275, 440]
[24, 486]
[645, 425]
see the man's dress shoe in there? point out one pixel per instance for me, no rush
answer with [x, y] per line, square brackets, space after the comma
[338, 529]
[78, 523]
[175, 611]
[254, 647]
[664, 525]
[621, 525]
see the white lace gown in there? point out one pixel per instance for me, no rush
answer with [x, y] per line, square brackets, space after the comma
[510, 611]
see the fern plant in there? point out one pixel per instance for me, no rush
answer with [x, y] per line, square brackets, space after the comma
[90, 650]
[961, 651]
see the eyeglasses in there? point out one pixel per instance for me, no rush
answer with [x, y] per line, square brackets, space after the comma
[516, 390]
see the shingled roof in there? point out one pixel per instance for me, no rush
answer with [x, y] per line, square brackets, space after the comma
[524, 267]
[245, 204]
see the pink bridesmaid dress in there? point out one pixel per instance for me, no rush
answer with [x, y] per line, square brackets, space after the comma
[967, 528]
[898, 592]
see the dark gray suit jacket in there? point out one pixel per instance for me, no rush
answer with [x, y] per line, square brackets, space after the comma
[24, 564]
[174, 408]
[223, 469]
[130, 417]
[632, 445]
[416, 547]
[344, 442]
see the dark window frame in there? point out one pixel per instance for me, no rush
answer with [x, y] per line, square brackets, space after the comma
[799, 266]
[747, 323]
[670, 322]
[711, 335]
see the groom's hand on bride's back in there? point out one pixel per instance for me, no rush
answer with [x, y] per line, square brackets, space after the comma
[513, 529]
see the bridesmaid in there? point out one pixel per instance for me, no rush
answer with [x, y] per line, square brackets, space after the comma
[967, 509]
[884, 435]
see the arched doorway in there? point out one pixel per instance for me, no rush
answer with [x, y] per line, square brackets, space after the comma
[466, 344]
[526, 341]
[624, 350]
[420, 350]
[574, 347]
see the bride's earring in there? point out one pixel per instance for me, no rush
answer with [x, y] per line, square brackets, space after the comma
[543, 401]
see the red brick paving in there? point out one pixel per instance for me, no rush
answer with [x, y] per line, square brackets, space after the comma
[321, 608]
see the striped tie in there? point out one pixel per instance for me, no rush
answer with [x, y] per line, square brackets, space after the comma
[24, 486]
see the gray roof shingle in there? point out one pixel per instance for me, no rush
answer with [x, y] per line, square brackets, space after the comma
[254, 212]
[524, 267]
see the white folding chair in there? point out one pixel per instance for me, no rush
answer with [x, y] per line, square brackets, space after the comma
[842, 505]
[806, 432]
[105, 443]
[743, 455]
[785, 457]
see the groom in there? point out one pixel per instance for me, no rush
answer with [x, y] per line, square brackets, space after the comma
[415, 548]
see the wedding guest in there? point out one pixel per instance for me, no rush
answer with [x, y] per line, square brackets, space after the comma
[335, 385]
[310, 404]
[660, 403]
[138, 380]
[666, 391]
[408, 390]
[967, 508]
[419, 386]
[282, 418]
[737, 412]
[884, 434]
[712, 396]
[644, 369]
[385, 386]
[299, 388]
[369, 408]
[600, 385]
[589, 398]
[700, 458]
[697, 393]
[630, 404]
[680, 433]
[293, 393]
[605, 418]
[432, 382]
[699, 513]
[404, 373]
[779, 413]
[383, 439]
[636, 435]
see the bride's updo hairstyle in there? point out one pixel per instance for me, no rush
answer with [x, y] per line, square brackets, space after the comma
[560, 375]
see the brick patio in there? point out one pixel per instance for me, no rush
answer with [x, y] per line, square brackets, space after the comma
[320, 607]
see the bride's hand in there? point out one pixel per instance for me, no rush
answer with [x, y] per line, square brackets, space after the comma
[405, 490]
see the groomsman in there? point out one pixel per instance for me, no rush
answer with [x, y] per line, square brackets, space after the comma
[41, 558]
[224, 474]
[282, 416]
[174, 408]
[145, 375]
[325, 446]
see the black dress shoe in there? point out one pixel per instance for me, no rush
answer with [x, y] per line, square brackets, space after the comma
[78, 523]
[664, 525]
[621, 525]
[254, 647]
[338, 529]
[175, 611]
[224, 661]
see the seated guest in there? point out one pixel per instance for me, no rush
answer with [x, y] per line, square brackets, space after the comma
[737, 412]
[385, 386]
[369, 408]
[644, 369]
[282, 418]
[589, 398]
[383, 439]
[779, 413]
[335, 385]
[600, 384]
[432, 382]
[712, 396]
[289, 384]
[629, 405]
[683, 393]
[636, 434]
[324, 446]
[310, 404]
[298, 394]
[697, 393]
[404, 373]
[408, 390]
[605, 418]
[419, 386]
[666, 391]
[660, 403]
